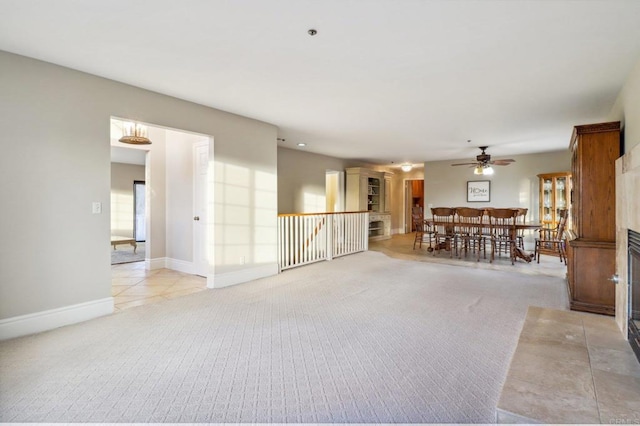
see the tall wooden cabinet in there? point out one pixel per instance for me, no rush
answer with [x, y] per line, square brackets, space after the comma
[370, 190]
[592, 247]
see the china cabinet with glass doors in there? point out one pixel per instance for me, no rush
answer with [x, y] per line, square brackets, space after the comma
[555, 193]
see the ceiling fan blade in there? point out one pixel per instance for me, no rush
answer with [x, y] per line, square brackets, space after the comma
[464, 164]
[505, 162]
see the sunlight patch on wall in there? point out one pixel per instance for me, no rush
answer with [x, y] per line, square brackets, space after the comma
[245, 215]
[265, 237]
[313, 203]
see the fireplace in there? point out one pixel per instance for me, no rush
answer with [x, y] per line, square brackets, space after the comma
[634, 291]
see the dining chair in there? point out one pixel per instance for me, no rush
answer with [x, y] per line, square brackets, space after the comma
[468, 231]
[422, 230]
[521, 219]
[486, 227]
[552, 241]
[503, 231]
[443, 228]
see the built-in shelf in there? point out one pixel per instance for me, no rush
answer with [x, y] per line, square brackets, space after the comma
[369, 190]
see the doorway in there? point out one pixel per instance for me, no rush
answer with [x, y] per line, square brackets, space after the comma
[334, 191]
[161, 213]
[127, 205]
[413, 198]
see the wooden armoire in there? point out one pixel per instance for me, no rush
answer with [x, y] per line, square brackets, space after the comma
[592, 238]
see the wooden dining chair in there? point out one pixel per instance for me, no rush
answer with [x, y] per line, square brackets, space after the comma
[503, 231]
[422, 230]
[443, 227]
[417, 210]
[521, 219]
[468, 231]
[552, 241]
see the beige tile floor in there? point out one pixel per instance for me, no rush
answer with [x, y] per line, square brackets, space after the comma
[571, 367]
[132, 285]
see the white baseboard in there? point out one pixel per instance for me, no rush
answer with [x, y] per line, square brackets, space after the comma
[180, 266]
[53, 318]
[157, 263]
[169, 263]
[225, 278]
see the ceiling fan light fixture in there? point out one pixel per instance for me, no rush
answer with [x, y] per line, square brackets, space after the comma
[482, 165]
[134, 134]
[406, 167]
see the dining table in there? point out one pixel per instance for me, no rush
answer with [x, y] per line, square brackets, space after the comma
[519, 252]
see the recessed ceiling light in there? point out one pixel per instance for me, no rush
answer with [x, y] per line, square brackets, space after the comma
[301, 144]
[312, 32]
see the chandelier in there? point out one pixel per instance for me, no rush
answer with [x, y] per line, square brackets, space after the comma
[134, 134]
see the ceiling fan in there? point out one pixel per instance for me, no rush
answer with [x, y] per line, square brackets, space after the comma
[483, 163]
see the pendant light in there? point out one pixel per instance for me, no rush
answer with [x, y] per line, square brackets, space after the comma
[134, 134]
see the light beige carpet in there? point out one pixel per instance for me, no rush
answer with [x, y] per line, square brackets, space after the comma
[364, 338]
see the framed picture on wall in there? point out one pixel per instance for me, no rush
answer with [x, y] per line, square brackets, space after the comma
[478, 191]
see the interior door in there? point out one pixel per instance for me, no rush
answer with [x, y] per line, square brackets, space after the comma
[200, 173]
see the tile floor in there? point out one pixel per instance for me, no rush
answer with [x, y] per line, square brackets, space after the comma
[571, 367]
[132, 285]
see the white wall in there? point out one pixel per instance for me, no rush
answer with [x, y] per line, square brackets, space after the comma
[515, 185]
[122, 178]
[55, 136]
[302, 180]
[302, 176]
[156, 174]
[627, 109]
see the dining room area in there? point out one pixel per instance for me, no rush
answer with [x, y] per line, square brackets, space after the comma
[488, 233]
[516, 216]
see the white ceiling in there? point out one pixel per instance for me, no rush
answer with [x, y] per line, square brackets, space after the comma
[382, 81]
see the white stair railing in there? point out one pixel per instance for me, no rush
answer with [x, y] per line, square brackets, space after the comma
[312, 237]
[350, 233]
